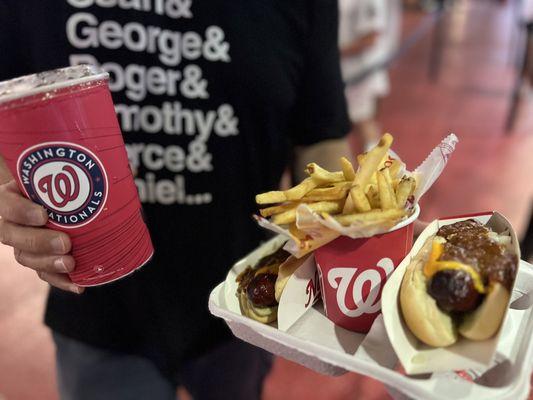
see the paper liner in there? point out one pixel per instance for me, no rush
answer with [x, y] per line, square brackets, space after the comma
[320, 231]
[359, 230]
[317, 236]
[416, 357]
[301, 292]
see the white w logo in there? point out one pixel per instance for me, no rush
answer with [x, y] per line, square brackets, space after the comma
[346, 275]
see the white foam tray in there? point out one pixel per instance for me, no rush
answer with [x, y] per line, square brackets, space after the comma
[316, 343]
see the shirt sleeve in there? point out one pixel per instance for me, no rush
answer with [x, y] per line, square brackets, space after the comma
[320, 110]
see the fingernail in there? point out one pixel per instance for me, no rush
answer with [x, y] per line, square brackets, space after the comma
[58, 245]
[60, 265]
[35, 216]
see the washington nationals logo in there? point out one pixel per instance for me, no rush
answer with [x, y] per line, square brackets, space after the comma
[67, 179]
[62, 188]
[312, 290]
[371, 279]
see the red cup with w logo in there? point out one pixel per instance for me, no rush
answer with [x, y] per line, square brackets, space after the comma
[354, 271]
[60, 137]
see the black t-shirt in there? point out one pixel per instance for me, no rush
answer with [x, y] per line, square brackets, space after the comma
[211, 96]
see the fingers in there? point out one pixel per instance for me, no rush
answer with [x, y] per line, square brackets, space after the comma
[47, 263]
[34, 240]
[43, 250]
[18, 209]
[60, 281]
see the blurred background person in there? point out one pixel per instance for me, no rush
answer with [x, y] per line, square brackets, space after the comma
[527, 19]
[369, 32]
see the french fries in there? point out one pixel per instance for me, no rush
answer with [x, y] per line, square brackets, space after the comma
[375, 192]
[369, 167]
[359, 199]
[289, 216]
[406, 188]
[292, 194]
[299, 191]
[394, 167]
[370, 216]
[268, 211]
[270, 197]
[321, 176]
[386, 174]
[387, 199]
[347, 169]
[337, 191]
[373, 196]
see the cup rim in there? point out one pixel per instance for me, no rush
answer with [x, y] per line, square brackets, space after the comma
[407, 221]
[94, 73]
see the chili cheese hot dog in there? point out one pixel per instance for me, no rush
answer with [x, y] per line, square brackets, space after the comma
[459, 283]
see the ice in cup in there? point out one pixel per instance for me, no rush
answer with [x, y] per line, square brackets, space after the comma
[61, 140]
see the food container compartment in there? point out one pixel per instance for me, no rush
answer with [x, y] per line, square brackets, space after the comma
[316, 343]
[416, 357]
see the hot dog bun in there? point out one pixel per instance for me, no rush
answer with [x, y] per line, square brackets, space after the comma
[438, 328]
[264, 315]
[258, 291]
[285, 272]
[420, 311]
[485, 320]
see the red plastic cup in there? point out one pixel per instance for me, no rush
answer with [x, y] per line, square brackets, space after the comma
[353, 272]
[60, 137]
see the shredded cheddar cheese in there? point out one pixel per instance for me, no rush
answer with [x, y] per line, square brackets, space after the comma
[433, 266]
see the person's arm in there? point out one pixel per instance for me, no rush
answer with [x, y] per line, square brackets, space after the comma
[22, 227]
[319, 120]
[326, 154]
